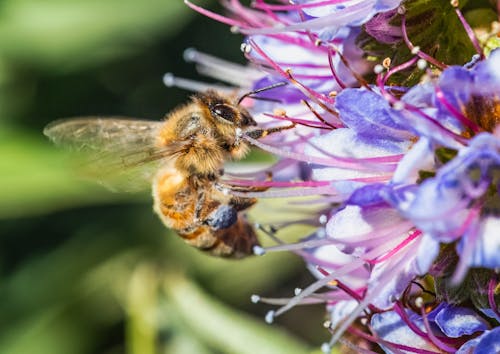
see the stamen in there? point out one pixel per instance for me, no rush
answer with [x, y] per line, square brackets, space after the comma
[191, 85]
[214, 16]
[468, 29]
[463, 119]
[398, 68]
[208, 65]
[356, 75]
[434, 339]
[287, 74]
[339, 18]
[396, 249]
[320, 118]
[364, 164]
[421, 54]
[299, 246]
[262, 5]
[492, 284]
[304, 122]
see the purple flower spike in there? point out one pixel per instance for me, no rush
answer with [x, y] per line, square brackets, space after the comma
[400, 184]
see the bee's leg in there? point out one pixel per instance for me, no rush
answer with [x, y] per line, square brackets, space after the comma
[240, 203]
[260, 133]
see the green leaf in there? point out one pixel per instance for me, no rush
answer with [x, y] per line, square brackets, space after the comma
[431, 25]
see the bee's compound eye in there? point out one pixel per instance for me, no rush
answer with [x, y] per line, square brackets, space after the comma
[225, 112]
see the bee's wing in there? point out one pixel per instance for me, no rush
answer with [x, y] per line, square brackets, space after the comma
[120, 153]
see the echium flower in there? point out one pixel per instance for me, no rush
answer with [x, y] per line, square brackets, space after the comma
[397, 138]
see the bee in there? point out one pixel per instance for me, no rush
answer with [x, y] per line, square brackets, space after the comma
[184, 157]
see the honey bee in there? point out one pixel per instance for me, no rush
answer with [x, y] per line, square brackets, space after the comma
[185, 154]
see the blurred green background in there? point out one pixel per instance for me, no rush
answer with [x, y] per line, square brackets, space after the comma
[87, 271]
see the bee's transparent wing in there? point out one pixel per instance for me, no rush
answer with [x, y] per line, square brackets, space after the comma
[120, 153]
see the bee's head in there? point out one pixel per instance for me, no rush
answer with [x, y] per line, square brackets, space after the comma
[224, 111]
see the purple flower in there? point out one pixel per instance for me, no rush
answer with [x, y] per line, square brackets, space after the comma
[397, 174]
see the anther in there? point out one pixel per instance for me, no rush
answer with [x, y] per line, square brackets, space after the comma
[270, 317]
[326, 348]
[415, 50]
[454, 3]
[169, 79]
[189, 54]
[255, 298]
[318, 42]
[422, 64]
[235, 29]
[258, 251]
[401, 10]
[378, 69]
[398, 106]
[386, 63]
[245, 48]
[279, 112]
[419, 302]
[327, 324]
[323, 219]
[297, 291]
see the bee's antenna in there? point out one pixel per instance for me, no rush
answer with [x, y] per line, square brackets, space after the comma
[270, 87]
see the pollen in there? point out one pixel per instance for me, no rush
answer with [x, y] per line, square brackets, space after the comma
[279, 112]
[386, 63]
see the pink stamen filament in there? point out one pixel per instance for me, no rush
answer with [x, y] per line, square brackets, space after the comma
[280, 183]
[398, 68]
[385, 159]
[314, 94]
[463, 119]
[304, 122]
[378, 340]
[298, 42]
[470, 33]
[396, 249]
[253, 18]
[263, 5]
[491, 295]
[434, 339]
[367, 164]
[398, 308]
[410, 108]
[332, 68]
[214, 16]
[354, 73]
[421, 54]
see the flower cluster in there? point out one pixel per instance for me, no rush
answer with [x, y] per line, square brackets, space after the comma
[397, 149]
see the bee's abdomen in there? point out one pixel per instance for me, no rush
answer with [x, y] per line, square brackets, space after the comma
[203, 216]
[236, 241]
